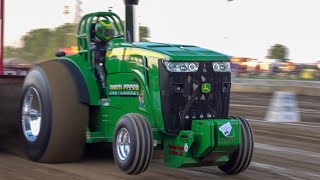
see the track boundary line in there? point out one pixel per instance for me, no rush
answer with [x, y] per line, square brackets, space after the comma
[286, 149]
[284, 171]
[286, 123]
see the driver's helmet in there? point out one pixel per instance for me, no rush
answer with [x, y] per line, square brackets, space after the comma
[104, 30]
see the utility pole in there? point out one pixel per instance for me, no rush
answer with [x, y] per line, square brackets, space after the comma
[77, 16]
[78, 11]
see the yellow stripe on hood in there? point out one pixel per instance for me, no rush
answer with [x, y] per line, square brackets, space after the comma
[135, 51]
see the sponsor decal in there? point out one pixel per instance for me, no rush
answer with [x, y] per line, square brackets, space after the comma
[123, 90]
[226, 129]
[88, 135]
[186, 147]
[176, 150]
[141, 100]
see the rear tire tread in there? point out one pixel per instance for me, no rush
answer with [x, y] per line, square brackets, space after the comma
[64, 118]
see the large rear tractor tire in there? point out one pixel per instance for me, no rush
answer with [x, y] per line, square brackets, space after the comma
[53, 119]
[241, 158]
[132, 144]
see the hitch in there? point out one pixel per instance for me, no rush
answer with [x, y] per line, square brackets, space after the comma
[209, 142]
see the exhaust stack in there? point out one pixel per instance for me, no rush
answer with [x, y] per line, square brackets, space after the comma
[131, 26]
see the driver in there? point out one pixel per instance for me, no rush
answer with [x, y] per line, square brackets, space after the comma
[103, 34]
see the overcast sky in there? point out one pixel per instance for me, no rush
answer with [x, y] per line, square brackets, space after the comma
[245, 28]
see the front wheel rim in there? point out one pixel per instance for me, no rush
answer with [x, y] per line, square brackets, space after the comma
[123, 144]
[31, 114]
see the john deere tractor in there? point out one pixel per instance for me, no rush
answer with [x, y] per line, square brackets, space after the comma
[164, 96]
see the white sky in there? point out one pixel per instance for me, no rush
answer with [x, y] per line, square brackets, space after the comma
[245, 28]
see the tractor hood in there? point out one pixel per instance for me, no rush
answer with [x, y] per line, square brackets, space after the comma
[183, 52]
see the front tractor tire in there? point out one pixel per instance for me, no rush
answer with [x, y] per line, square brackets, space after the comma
[241, 158]
[53, 119]
[132, 144]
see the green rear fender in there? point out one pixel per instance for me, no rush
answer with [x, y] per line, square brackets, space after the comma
[82, 72]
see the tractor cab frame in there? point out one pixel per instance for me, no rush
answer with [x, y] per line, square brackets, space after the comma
[85, 31]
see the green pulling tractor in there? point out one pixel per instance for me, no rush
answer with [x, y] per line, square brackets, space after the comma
[158, 96]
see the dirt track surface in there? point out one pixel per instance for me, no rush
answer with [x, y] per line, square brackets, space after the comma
[282, 151]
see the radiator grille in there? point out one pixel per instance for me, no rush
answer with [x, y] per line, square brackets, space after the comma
[183, 101]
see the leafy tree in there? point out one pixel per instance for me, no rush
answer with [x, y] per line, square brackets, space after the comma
[35, 44]
[10, 51]
[278, 51]
[62, 37]
[41, 44]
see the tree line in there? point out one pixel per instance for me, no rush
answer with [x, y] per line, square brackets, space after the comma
[41, 44]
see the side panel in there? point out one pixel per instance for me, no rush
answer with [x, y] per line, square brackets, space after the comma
[154, 87]
[132, 87]
[142, 64]
[128, 90]
[126, 94]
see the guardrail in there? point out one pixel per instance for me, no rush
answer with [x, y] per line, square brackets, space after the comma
[16, 70]
[309, 88]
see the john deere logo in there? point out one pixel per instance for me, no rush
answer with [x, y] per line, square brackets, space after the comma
[206, 88]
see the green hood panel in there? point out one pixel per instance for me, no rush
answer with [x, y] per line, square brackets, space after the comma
[183, 52]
